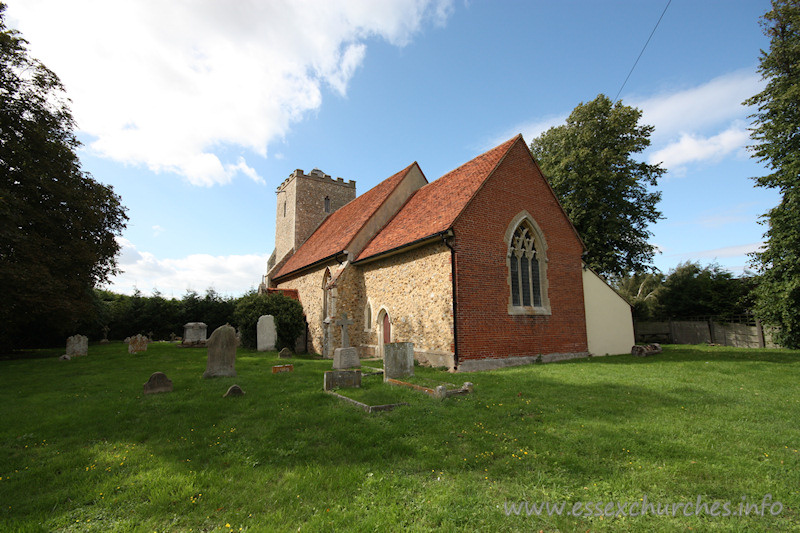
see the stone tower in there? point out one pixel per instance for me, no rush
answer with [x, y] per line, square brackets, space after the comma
[303, 202]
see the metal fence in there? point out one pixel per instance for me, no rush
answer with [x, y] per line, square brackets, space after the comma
[741, 332]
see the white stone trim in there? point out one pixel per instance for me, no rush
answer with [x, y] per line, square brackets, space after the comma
[384, 311]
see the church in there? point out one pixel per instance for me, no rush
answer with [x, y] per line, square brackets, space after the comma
[480, 268]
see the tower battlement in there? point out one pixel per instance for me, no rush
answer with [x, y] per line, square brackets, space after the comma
[303, 202]
[316, 174]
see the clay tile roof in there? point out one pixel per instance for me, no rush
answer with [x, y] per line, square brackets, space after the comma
[434, 207]
[341, 226]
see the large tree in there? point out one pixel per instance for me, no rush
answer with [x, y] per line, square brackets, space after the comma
[57, 224]
[776, 133]
[589, 163]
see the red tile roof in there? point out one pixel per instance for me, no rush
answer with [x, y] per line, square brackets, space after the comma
[294, 294]
[434, 207]
[340, 227]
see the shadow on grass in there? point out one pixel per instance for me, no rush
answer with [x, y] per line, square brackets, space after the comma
[688, 352]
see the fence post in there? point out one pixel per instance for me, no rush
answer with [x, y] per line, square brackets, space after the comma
[711, 330]
[760, 333]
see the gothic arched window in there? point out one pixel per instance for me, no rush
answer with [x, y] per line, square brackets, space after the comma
[527, 268]
[327, 204]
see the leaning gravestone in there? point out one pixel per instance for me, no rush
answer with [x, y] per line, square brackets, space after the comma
[158, 382]
[137, 343]
[266, 334]
[398, 360]
[221, 353]
[77, 345]
[194, 332]
[285, 353]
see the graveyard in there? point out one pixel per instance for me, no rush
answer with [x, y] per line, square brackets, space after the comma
[85, 448]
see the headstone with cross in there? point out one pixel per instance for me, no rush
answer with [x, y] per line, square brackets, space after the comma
[346, 356]
[344, 322]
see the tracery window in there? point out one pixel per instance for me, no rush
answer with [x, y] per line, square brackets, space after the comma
[527, 268]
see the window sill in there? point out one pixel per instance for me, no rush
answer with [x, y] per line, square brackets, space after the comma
[533, 311]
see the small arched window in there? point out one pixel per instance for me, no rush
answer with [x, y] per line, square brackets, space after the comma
[368, 317]
[327, 204]
[326, 278]
[527, 268]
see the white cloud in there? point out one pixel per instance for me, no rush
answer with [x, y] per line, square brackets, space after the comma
[728, 251]
[162, 84]
[688, 122]
[716, 102]
[157, 230]
[691, 148]
[529, 130]
[232, 274]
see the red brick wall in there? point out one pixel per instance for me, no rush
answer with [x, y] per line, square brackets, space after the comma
[484, 327]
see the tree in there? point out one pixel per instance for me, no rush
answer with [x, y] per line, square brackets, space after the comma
[693, 290]
[604, 191]
[288, 313]
[642, 290]
[776, 133]
[57, 224]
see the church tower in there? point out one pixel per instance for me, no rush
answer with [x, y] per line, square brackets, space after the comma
[303, 202]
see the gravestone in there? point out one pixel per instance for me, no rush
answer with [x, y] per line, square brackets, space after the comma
[158, 382]
[342, 379]
[194, 332]
[233, 390]
[346, 356]
[398, 360]
[285, 353]
[77, 345]
[266, 334]
[137, 343]
[105, 340]
[221, 353]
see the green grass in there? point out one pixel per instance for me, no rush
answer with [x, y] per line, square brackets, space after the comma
[81, 449]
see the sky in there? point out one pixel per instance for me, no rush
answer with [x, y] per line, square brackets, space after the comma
[195, 111]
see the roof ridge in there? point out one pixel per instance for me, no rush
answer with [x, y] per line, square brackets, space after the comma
[447, 193]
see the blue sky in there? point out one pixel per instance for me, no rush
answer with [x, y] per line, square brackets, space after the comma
[194, 112]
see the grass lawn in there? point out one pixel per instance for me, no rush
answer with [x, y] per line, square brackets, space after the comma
[82, 449]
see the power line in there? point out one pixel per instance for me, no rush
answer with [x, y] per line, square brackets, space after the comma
[642, 52]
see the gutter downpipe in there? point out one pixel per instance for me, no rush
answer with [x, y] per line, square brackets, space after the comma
[445, 236]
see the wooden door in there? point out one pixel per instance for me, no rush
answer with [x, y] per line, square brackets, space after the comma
[387, 329]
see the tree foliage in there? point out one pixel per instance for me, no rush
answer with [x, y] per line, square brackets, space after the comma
[776, 134]
[156, 316]
[690, 290]
[289, 320]
[642, 290]
[604, 191]
[57, 224]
